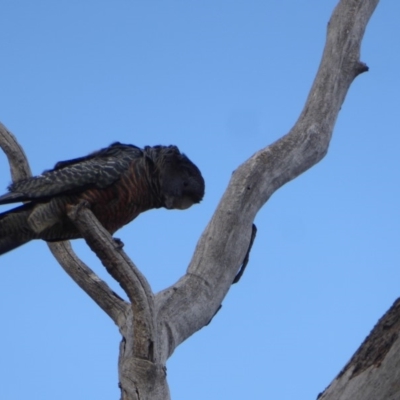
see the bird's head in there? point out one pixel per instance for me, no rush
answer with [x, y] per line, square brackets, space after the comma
[181, 182]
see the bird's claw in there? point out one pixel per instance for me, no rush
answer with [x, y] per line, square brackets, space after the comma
[119, 244]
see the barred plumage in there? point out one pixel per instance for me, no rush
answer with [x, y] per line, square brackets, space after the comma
[118, 182]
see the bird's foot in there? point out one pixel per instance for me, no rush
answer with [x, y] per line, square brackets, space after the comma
[119, 244]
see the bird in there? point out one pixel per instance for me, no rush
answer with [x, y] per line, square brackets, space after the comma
[117, 183]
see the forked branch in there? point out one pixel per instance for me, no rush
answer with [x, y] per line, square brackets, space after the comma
[124, 271]
[100, 292]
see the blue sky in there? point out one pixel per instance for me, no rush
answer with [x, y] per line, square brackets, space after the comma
[220, 79]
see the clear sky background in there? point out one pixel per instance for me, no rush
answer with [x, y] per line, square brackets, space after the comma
[220, 79]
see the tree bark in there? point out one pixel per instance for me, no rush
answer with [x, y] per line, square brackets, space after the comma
[192, 301]
[373, 373]
[152, 326]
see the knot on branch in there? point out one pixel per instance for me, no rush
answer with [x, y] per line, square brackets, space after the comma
[74, 210]
[360, 68]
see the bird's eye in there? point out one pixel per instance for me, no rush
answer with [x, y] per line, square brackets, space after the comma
[185, 184]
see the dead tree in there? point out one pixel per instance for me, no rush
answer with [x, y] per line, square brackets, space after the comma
[152, 326]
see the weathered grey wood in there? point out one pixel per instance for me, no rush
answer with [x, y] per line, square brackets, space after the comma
[141, 374]
[190, 303]
[140, 378]
[152, 326]
[17, 160]
[112, 304]
[373, 373]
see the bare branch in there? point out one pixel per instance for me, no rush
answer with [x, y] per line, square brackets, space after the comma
[19, 165]
[83, 276]
[226, 238]
[112, 304]
[122, 269]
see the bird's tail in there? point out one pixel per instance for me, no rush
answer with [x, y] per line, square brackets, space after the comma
[14, 228]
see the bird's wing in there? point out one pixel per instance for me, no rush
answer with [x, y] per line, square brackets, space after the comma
[99, 169]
